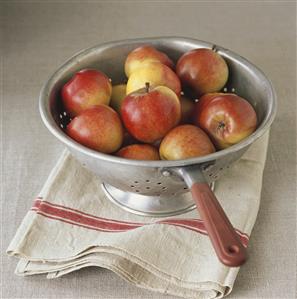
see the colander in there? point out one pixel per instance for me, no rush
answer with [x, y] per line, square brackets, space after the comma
[162, 188]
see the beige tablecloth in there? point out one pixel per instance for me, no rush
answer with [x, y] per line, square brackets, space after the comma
[72, 225]
[39, 35]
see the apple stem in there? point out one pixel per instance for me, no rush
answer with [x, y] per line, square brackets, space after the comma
[147, 86]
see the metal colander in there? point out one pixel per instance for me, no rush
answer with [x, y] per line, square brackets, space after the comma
[161, 188]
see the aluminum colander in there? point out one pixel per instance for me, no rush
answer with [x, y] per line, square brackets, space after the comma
[162, 188]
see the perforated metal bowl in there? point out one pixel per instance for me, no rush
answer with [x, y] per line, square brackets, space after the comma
[158, 188]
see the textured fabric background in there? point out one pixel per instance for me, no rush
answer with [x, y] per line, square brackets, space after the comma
[38, 36]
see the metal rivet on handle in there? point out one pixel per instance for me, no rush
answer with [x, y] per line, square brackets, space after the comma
[208, 167]
[166, 173]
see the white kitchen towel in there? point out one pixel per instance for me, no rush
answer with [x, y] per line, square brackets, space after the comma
[73, 225]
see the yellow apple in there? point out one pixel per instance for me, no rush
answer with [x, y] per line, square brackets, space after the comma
[156, 74]
[117, 96]
[144, 55]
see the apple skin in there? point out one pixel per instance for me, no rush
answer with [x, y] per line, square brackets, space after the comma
[117, 96]
[185, 141]
[85, 89]
[98, 128]
[187, 108]
[145, 55]
[149, 113]
[226, 118]
[204, 100]
[139, 152]
[203, 71]
[156, 74]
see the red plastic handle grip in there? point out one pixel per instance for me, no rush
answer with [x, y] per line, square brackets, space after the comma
[226, 243]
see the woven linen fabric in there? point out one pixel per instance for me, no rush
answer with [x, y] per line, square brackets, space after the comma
[72, 225]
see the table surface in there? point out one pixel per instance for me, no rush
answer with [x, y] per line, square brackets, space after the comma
[38, 36]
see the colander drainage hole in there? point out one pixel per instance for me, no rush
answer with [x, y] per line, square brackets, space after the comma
[185, 188]
[159, 183]
[147, 181]
[147, 188]
[164, 188]
[137, 191]
[136, 182]
[61, 116]
[132, 186]
[61, 126]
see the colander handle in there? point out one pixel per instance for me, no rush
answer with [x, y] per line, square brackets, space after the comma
[225, 240]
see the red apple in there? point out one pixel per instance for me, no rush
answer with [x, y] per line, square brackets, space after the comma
[187, 108]
[202, 70]
[149, 113]
[145, 55]
[86, 89]
[98, 128]
[156, 74]
[226, 117]
[139, 152]
[186, 141]
[204, 100]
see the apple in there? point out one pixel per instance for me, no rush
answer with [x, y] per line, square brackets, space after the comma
[117, 96]
[156, 74]
[139, 152]
[187, 108]
[98, 128]
[185, 141]
[204, 100]
[203, 71]
[226, 117]
[145, 55]
[149, 113]
[85, 89]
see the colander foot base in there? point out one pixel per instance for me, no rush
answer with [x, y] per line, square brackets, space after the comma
[153, 206]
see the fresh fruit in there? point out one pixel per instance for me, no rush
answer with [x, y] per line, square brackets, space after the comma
[117, 96]
[186, 141]
[85, 89]
[149, 113]
[139, 152]
[145, 55]
[204, 100]
[98, 128]
[187, 108]
[226, 117]
[156, 74]
[202, 70]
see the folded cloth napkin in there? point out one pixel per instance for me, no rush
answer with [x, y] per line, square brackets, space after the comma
[73, 225]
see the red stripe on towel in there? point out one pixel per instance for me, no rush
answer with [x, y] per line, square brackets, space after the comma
[79, 218]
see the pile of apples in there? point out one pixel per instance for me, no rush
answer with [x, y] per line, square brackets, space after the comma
[156, 115]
